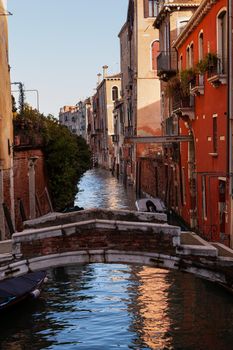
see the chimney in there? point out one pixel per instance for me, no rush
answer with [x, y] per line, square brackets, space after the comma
[99, 78]
[105, 68]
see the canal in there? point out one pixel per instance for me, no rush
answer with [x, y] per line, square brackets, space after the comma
[100, 306]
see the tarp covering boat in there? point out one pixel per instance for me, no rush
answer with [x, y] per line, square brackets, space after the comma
[15, 289]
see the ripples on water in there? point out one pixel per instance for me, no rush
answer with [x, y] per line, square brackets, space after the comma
[101, 307]
[121, 307]
[99, 189]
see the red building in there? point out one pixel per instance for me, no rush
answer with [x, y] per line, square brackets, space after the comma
[203, 113]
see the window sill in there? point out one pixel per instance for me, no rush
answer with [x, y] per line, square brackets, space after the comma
[213, 154]
[217, 79]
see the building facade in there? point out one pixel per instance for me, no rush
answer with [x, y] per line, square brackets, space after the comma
[6, 129]
[108, 91]
[69, 116]
[203, 55]
[139, 44]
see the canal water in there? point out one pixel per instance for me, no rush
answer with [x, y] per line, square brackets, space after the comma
[100, 306]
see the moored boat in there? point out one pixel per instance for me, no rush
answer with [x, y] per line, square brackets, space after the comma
[17, 289]
[154, 205]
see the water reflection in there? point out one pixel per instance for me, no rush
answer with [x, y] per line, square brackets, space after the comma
[119, 306]
[103, 306]
[99, 189]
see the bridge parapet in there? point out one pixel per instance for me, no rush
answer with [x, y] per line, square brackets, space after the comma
[56, 219]
[108, 240]
[97, 234]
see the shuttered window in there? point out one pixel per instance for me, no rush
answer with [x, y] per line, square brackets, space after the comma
[150, 8]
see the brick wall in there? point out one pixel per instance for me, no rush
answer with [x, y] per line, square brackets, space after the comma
[161, 178]
[21, 183]
[128, 240]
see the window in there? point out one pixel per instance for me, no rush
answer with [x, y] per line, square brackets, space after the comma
[204, 202]
[191, 56]
[222, 40]
[115, 93]
[181, 63]
[150, 8]
[201, 46]
[154, 54]
[181, 23]
[187, 57]
[215, 134]
[201, 55]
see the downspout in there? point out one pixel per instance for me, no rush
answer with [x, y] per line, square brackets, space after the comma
[230, 117]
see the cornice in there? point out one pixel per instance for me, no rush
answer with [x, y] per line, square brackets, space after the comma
[196, 18]
[170, 7]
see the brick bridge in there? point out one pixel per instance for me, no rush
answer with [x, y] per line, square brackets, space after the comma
[109, 236]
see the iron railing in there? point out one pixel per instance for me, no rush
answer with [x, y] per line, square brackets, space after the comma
[179, 101]
[217, 67]
[166, 62]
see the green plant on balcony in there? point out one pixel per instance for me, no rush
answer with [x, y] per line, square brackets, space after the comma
[186, 77]
[207, 63]
[180, 83]
[173, 85]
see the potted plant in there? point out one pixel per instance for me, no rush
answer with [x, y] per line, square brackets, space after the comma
[209, 62]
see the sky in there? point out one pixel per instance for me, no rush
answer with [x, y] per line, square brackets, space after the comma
[58, 47]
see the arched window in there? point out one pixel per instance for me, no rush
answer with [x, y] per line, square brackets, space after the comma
[201, 46]
[188, 57]
[222, 40]
[191, 56]
[201, 55]
[181, 63]
[115, 93]
[154, 54]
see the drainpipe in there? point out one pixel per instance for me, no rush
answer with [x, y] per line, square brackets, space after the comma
[230, 117]
[2, 217]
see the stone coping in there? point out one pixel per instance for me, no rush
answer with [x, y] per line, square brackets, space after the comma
[224, 252]
[68, 229]
[5, 246]
[53, 219]
[192, 244]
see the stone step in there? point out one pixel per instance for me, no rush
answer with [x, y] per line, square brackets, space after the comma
[192, 244]
[223, 251]
[6, 247]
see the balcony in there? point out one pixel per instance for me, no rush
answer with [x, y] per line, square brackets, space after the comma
[217, 72]
[166, 64]
[183, 106]
[197, 85]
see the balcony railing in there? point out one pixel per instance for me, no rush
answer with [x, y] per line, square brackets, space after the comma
[166, 64]
[197, 85]
[183, 105]
[217, 72]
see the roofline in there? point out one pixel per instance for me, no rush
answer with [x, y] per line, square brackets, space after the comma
[167, 6]
[122, 29]
[196, 18]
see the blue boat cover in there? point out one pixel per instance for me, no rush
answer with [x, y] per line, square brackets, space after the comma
[18, 286]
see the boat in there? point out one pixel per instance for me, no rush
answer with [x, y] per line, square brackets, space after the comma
[154, 205]
[17, 289]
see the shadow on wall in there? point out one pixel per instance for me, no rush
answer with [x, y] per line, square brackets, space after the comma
[149, 120]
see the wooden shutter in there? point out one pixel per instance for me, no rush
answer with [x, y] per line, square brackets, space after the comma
[146, 8]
